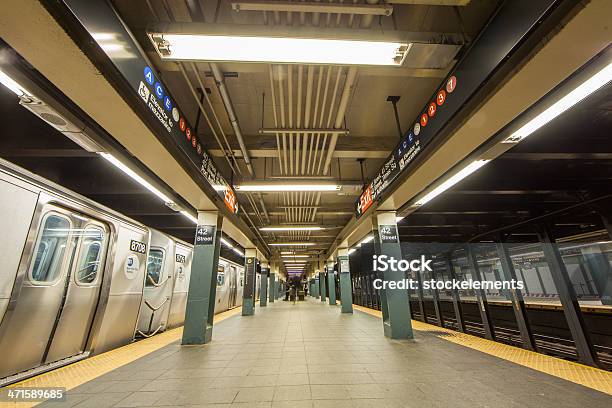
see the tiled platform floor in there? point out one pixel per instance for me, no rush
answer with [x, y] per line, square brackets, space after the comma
[310, 355]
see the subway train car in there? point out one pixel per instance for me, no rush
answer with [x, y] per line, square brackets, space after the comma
[78, 279]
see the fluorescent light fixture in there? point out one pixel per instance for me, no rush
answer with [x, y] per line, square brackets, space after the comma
[287, 252]
[367, 239]
[293, 228]
[287, 187]
[226, 243]
[457, 177]
[398, 219]
[350, 251]
[111, 47]
[189, 216]
[13, 86]
[104, 36]
[112, 159]
[236, 250]
[583, 90]
[292, 244]
[206, 47]
[295, 256]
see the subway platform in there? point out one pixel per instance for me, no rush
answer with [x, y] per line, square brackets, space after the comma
[308, 354]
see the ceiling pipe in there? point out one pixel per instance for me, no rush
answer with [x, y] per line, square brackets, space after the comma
[203, 111]
[214, 113]
[195, 10]
[263, 207]
[257, 233]
[344, 100]
[366, 20]
[227, 102]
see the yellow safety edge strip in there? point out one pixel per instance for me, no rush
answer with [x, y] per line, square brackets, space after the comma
[73, 375]
[587, 376]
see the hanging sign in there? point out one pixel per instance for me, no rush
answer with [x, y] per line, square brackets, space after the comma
[507, 29]
[108, 30]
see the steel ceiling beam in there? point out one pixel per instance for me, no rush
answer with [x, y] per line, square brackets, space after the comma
[273, 131]
[341, 154]
[313, 7]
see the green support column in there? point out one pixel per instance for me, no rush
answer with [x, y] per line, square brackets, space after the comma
[331, 283]
[200, 308]
[322, 285]
[248, 292]
[263, 292]
[346, 293]
[395, 303]
[272, 278]
[317, 287]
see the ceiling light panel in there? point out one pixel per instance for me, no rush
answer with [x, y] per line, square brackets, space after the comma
[272, 187]
[268, 49]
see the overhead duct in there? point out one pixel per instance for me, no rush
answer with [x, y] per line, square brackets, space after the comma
[227, 102]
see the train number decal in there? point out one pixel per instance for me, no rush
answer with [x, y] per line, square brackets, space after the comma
[180, 258]
[137, 246]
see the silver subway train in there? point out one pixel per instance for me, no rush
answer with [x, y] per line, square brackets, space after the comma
[78, 279]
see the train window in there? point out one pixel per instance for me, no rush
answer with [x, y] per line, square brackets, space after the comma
[50, 249]
[154, 266]
[90, 258]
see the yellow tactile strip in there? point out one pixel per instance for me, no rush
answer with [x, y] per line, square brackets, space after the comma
[73, 375]
[591, 377]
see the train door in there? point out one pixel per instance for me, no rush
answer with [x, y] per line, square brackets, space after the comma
[232, 286]
[158, 285]
[222, 292]
[82, 293]
[53, 310]
[182, 271]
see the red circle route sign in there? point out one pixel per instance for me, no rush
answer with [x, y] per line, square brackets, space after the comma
[451, 84]
[441, 97]
[431, 110]
[424, 119]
